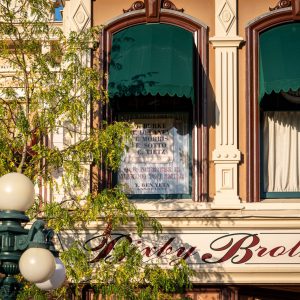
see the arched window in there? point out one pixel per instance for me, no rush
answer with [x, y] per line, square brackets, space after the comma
[156, 79]
[273, 109]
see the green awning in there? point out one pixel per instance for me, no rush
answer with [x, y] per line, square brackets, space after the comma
[152, 59]
[279, 59]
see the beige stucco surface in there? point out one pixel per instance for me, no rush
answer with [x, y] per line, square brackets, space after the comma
[187, 216]
[204, 10]
[104, 10]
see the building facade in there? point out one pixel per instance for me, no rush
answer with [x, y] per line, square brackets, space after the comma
[212, 88]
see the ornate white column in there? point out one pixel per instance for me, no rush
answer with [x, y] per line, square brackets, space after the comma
[226, 156]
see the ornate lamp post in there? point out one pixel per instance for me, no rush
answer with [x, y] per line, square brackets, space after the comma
[29, 251]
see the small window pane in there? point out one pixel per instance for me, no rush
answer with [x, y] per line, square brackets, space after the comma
[58, 13]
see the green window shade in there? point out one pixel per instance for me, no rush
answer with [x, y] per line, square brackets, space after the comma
[279, 59]
[152, 59]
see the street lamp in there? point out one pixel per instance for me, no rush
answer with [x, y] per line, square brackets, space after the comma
[29, 251]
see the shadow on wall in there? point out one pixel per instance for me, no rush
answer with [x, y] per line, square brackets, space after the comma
[121, 85]
[139, 66]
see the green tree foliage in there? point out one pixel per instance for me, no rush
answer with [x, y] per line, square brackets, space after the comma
[49, 86]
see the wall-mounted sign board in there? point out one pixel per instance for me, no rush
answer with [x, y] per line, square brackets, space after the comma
[241, 256]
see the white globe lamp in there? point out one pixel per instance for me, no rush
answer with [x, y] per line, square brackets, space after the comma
[56, 280]
[16, 192]
[37, 264]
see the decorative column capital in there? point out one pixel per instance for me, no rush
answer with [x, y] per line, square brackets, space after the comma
[220, 41]
[226, 154]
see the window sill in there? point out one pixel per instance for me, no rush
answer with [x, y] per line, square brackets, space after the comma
[170, 204]
[188, 205]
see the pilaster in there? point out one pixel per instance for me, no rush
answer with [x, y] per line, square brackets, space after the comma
[77, 16]
[226, 155]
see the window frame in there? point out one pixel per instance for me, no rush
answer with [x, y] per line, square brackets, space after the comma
[200, 126]
[253, 30]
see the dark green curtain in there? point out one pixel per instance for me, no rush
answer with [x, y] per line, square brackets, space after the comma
[279, 59]
[155, 59]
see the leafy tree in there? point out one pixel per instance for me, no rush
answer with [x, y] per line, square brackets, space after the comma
[53, 88]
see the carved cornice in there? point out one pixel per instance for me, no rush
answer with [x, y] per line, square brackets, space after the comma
[281, 4]
[295, 4]
[137, 5]
[165, 4]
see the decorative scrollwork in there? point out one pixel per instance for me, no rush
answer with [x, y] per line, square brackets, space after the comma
[281, 4]
[167, 4]
[137, 5]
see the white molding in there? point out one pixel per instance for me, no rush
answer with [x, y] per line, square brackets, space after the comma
[217, 41]
[187, 206]
[215, 276]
